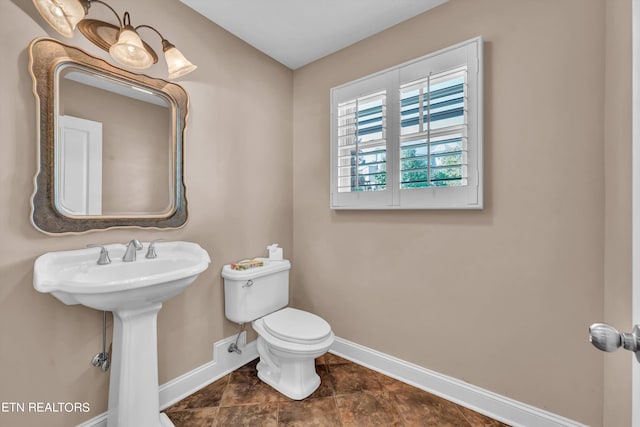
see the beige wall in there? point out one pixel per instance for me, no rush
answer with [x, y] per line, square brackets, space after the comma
[500, 298]
[238, 174]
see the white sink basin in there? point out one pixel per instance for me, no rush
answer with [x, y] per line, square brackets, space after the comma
[74, 277]
[134, 291]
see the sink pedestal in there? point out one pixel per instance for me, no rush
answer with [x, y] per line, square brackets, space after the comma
[133, 388]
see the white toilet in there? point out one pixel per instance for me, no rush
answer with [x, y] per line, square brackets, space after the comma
[289, 340]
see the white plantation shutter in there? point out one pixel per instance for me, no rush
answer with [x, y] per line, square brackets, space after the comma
[362, 147]
[410, 137]
[360, 128]
[433, 134]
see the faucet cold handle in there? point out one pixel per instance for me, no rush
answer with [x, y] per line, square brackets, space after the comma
[103, 259]
[151, 251]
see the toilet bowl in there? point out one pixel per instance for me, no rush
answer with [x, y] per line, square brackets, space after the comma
[289, 340]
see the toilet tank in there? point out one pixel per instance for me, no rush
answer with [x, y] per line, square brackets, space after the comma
[253, 293]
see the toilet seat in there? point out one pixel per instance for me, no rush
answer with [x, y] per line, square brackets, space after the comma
[297, 326]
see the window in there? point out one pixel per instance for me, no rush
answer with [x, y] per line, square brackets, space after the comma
[410, 137]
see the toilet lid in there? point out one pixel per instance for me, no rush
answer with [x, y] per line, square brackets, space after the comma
[290, 324]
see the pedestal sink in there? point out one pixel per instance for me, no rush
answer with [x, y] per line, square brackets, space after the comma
[134, 291]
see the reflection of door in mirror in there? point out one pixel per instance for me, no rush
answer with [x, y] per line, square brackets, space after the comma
[79, 166]
[137, 159]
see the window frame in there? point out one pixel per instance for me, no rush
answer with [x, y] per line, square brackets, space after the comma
[470, 196]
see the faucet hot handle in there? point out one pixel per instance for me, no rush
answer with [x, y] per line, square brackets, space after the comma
[151, 251]
[104, 254]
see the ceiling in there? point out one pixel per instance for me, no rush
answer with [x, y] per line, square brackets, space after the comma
[297, 32]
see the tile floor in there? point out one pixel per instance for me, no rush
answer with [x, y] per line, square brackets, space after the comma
[349, 395]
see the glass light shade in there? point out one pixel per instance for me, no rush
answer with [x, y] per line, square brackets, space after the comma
[62, 15]
[130, 51]
[177, 64]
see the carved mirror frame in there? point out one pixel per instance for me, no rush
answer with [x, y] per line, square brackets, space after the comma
[46, 56]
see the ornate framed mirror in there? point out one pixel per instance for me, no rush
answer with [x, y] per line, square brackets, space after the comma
[110, 144]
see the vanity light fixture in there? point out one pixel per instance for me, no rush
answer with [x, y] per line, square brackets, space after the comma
[122, 42]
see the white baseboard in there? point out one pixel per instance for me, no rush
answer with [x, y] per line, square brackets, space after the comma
[177, 389]
[498, 407]
[223, 363]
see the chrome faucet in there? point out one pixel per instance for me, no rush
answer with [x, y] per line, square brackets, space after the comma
[130, 254]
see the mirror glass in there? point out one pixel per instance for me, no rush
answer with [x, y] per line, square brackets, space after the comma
[114, 156]
[111, 144]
